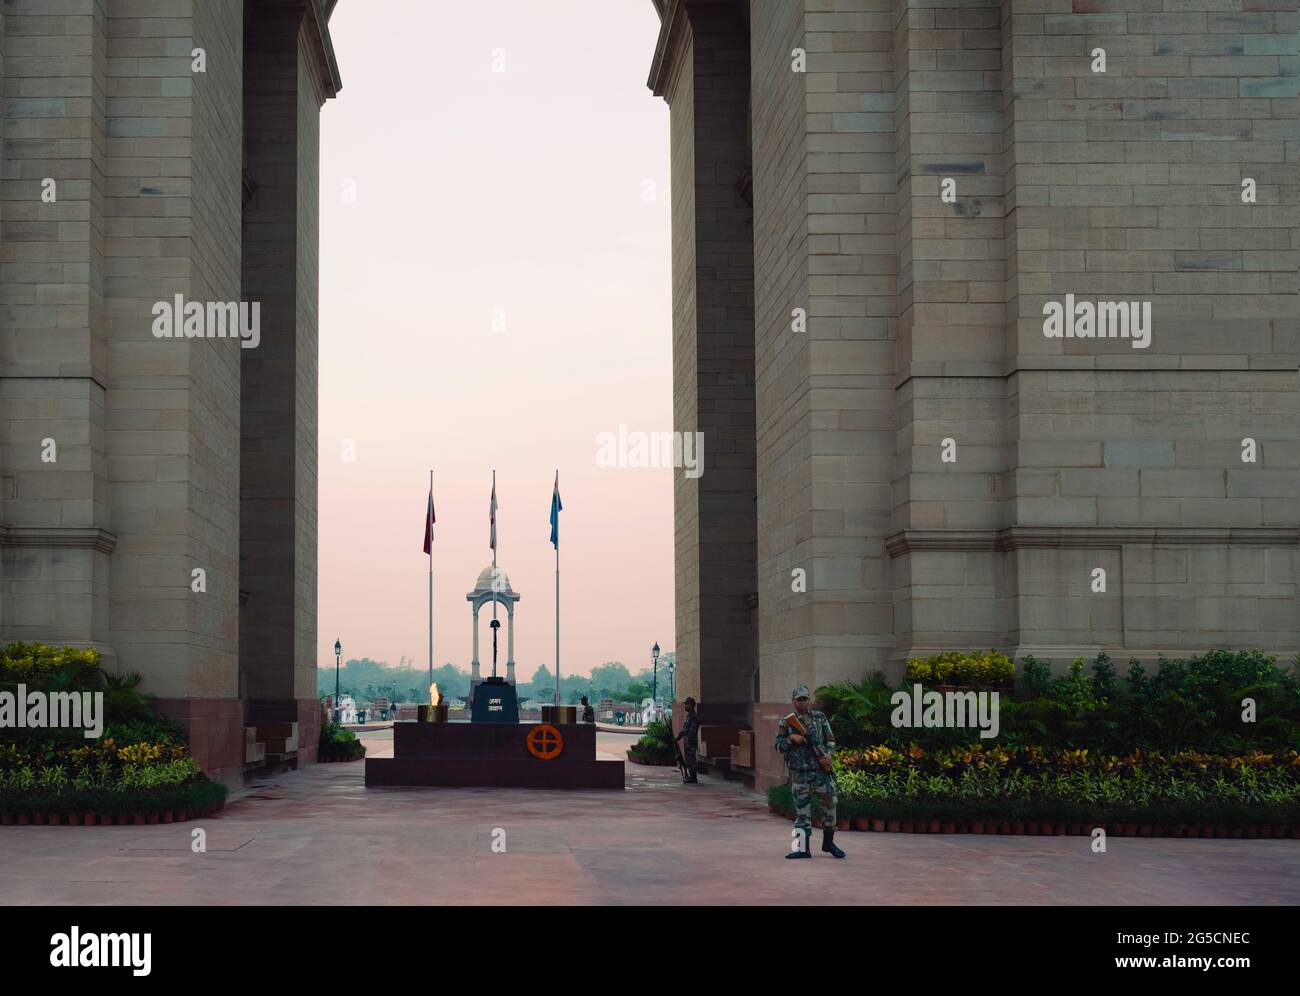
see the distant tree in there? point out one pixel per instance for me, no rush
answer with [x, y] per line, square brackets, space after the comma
[636, 691]
[609, 678]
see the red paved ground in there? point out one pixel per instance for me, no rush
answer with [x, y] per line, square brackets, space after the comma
[319, 836]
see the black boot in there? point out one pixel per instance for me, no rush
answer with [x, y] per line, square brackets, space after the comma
[802, 851]
[692, 780]
[828, 843]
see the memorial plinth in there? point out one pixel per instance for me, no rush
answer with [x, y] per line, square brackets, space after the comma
[500, 755]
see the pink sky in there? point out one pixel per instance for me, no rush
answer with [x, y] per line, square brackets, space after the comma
[523, 190]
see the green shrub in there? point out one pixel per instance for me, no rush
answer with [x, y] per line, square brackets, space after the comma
[655, 745]
[36, 663]
[337, 741]
[1187, 704]
[974, 670]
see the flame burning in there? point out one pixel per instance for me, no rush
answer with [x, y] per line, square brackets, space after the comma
[435, 696]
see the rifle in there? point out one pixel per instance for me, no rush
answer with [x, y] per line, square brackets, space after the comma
[681, 761]
[795, 723]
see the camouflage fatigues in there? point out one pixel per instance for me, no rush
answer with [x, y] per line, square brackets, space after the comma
[690, 738]
[806, 775]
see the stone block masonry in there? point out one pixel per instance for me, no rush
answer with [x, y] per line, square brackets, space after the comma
[150, 171]
[927, 180]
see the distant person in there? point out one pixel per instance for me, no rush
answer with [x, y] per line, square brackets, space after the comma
[588, 713]
[690, 739]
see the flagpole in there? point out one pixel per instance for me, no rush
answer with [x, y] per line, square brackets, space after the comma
[494, 579]
[557, 599]
[431, 579]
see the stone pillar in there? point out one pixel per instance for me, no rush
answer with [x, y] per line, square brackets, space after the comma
[288, 76]
[702, 70]
[56, 533]
[474, 666]
[510, 639]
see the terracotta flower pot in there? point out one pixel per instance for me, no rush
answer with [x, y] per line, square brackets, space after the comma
[137, 819]
[38, 819]
[6, 820]
[935, 827]
[1177, 830]
[1192, 830]
[152, 819]
[1060, 829]
[878, 826]
[167, 816]
[1076, 830]
[55, 819]
[1236, 833]
[891, 826]
[1004, 827]
[1017, 828]
[862, 823]
[841, 824]
[88, 820]
[1220, 830]
[105, 820]
[1130, 830]
[182, 816]
[919, 826]
[949, 826]
[977, 827]
[905, 826]
[1032, 828]
[1207, 830]
[1144, 829]
[24, 819]
[120, 820]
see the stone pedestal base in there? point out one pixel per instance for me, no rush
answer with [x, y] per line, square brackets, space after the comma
[522, 755]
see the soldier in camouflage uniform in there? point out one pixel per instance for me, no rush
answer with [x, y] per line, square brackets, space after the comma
[807, 776]
[690, 738]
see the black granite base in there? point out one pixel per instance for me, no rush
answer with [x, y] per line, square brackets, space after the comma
[492, 755]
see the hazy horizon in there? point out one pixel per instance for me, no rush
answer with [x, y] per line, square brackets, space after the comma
[495, 292]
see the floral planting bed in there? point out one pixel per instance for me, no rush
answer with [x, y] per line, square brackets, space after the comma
[1031, 790]
[138, 770]
[1208, 746]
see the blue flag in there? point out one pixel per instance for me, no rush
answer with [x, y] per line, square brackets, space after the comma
[556, 508]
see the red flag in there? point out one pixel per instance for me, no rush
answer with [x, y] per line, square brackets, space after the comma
[429, 520]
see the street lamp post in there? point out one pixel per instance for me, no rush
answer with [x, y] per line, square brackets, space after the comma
[672, 680]
[654, 684]
[338, 659]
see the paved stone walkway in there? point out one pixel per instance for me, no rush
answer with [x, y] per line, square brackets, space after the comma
[318, 836]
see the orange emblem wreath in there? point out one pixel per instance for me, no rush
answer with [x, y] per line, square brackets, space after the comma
[545, 742]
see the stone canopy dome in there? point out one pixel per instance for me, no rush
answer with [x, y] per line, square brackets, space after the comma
[484, 582]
